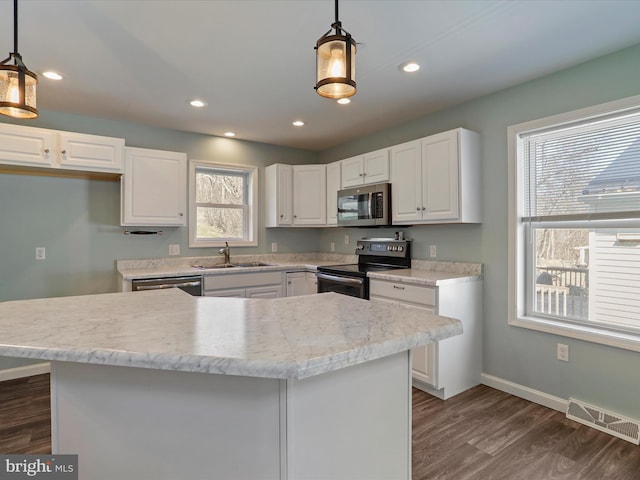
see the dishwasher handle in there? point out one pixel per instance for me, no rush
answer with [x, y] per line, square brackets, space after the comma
[168, 285]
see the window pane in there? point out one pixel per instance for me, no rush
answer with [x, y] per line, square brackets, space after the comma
[585, 169]
[219, 188]
[562, 273]
[220, 222]
[588, 275]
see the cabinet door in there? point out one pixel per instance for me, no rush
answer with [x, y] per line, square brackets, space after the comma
[440, 176]
[309, 195]
[295, 284]
[352, 171]
[269, 291]
[310, 283]
[406, 183]
[80, 151]
[154, 188]
[333, 185]
[376, 166]
[278, 185]
[27, 146]
[424, 364]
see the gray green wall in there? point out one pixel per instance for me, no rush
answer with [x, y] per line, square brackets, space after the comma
[77, 220]
[605, 376]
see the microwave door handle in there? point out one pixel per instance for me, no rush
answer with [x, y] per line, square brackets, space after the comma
[372, 205]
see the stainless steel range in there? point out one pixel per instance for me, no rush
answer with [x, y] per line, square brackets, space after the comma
[374, 254]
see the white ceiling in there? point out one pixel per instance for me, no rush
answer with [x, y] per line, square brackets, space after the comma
[253, 61]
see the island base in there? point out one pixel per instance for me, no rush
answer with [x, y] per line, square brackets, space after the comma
[133, 423]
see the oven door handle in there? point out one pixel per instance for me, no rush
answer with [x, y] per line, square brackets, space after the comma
[335, 278]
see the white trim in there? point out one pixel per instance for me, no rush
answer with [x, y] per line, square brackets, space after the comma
[26, 371]
[251, 239]
[535, 396]
[516, 256]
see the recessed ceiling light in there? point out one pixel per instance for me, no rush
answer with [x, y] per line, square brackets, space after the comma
[344, 101]
[197, 103]
[298, 123]
[229, 134]
[409, 67]
[51, 75]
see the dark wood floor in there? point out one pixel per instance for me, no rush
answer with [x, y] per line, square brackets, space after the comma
[486, 434]
[25, 415]
[482, 434]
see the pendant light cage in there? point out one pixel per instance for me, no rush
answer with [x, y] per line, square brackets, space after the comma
[17, 83]
[336, 62]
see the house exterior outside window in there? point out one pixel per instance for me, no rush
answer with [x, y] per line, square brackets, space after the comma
[574, 224]
[222, 204]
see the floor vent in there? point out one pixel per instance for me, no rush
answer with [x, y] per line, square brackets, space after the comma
[608, 422]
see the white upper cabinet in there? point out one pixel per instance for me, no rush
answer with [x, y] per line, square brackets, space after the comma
[79, 151]
[333, 186]
[154, 188]
[278, 195]
[27, 146]
[364, 169]
[295, 195]
[309, 194]
[436, 179]
[39, 147]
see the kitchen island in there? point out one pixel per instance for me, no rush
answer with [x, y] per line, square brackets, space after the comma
[163, 385]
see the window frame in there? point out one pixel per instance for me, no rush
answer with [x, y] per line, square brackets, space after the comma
[519, 263]
[251, 227]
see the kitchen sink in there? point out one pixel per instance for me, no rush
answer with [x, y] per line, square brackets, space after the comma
[253, 264]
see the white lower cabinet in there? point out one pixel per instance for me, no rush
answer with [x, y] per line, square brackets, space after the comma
[301, 283]
[244, 285]
[450, 366]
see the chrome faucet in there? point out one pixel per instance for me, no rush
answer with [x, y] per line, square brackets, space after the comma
[226, 251]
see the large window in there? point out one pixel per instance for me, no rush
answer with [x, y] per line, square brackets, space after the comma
[222, 204]
[575, 224]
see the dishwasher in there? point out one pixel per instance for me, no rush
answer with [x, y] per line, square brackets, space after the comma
[191, 284]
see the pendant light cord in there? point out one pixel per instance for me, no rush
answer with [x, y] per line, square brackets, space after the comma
[15, 26]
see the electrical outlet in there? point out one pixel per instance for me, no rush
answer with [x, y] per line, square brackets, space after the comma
[274, 247]
[332, 246]
[432, 251]
[563, 352]
[346, 239]
[174, 249]
[41, 253]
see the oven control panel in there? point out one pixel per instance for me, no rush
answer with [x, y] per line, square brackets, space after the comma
[383, 248]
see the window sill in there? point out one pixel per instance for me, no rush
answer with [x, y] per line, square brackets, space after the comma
[611, 338]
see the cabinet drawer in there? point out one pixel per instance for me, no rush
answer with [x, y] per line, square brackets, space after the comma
[212, 282]
[403, 292]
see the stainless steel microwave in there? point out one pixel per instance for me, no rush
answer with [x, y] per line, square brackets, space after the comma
[369, 205]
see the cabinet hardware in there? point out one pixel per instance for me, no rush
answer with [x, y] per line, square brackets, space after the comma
[46, 150]
[63, 152]
[424, 208]
[397, 287]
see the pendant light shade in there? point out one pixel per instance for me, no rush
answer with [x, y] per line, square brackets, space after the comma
[336, 62]
[17, 83]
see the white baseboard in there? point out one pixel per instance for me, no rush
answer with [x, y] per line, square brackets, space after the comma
[535, 396]
[26, 371]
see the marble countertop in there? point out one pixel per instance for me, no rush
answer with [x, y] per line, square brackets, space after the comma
[294, 337]
[183, 266]
[429, 278]
[422, 272]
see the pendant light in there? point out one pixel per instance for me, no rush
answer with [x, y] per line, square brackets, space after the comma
[336, 62]
[17, 84]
